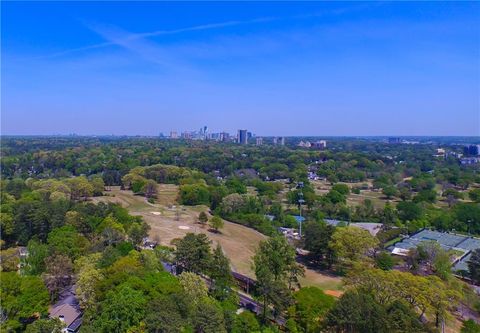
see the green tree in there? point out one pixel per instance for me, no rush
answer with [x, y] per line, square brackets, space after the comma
[35, 261]
[311, 305]
[384, 261]
[426, 196]
[275, 268]
[58, 274]
[341, 188]
[150, 189]
[194, 194]
[7, 226]
[165, 315]
[203, 218]
[98, 185]
[9, 260]
[442, 265]
[352, 243]
[193, 253]
[138, 185]
[470, 326]
[111, 230]
[390, 191]
[221, 274]
[88, 278]
[194, 288]
[137, 232]
[76, 220]
[358, 312]
[389, 215]
[246, 322]
[429, 296]
[474, 194]
[474, 266]
[335, 197]
[66, 240]
[208, 317]
[409, 211]
[46, 326]
[216, 223]
[80, 188]
[317, 238]
[122, 309]
[235, 185]
[23, 297]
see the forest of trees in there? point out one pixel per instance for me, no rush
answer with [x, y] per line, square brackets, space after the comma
[46, 207]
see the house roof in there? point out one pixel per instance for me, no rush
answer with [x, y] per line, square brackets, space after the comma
[69, 313]
[448, 241]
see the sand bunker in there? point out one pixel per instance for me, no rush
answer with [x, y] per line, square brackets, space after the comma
[156, 213]
[183, 227]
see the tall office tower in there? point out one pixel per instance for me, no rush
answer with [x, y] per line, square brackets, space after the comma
[275, 141]
[224, 136]
[282, 141]
[173, 135]
[472, 150]
[242, 137]
[186, 135]
[322, 144]
[259, 141]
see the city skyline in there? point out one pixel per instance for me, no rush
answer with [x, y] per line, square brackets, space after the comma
[307, 69]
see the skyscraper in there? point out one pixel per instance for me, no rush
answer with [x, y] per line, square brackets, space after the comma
[242, 137]
[259, 141]
[224, 136]
[279, 141]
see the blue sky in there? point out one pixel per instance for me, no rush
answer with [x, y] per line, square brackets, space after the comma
[315, 68]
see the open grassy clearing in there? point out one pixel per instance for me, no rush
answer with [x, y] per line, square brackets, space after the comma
[376, 196]
[321, 280]
[323, 186]
[169, 221]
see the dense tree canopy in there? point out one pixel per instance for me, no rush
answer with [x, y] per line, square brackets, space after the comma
[46, 206]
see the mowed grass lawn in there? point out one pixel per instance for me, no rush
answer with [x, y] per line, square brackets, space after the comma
[169, 221]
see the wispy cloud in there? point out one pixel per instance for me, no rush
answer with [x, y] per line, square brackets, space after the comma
[131, 37]
[211, 26]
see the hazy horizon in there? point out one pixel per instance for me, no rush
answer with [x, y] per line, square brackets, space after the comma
[277, 69]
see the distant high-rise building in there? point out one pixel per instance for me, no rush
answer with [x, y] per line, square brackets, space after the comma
[259, 141]
[242, 137]
[472, 150]
[305, 144]
[394, 140]
[173, 135]
[186, 135]
[224, 136]
[279, 141]
[322, 144]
